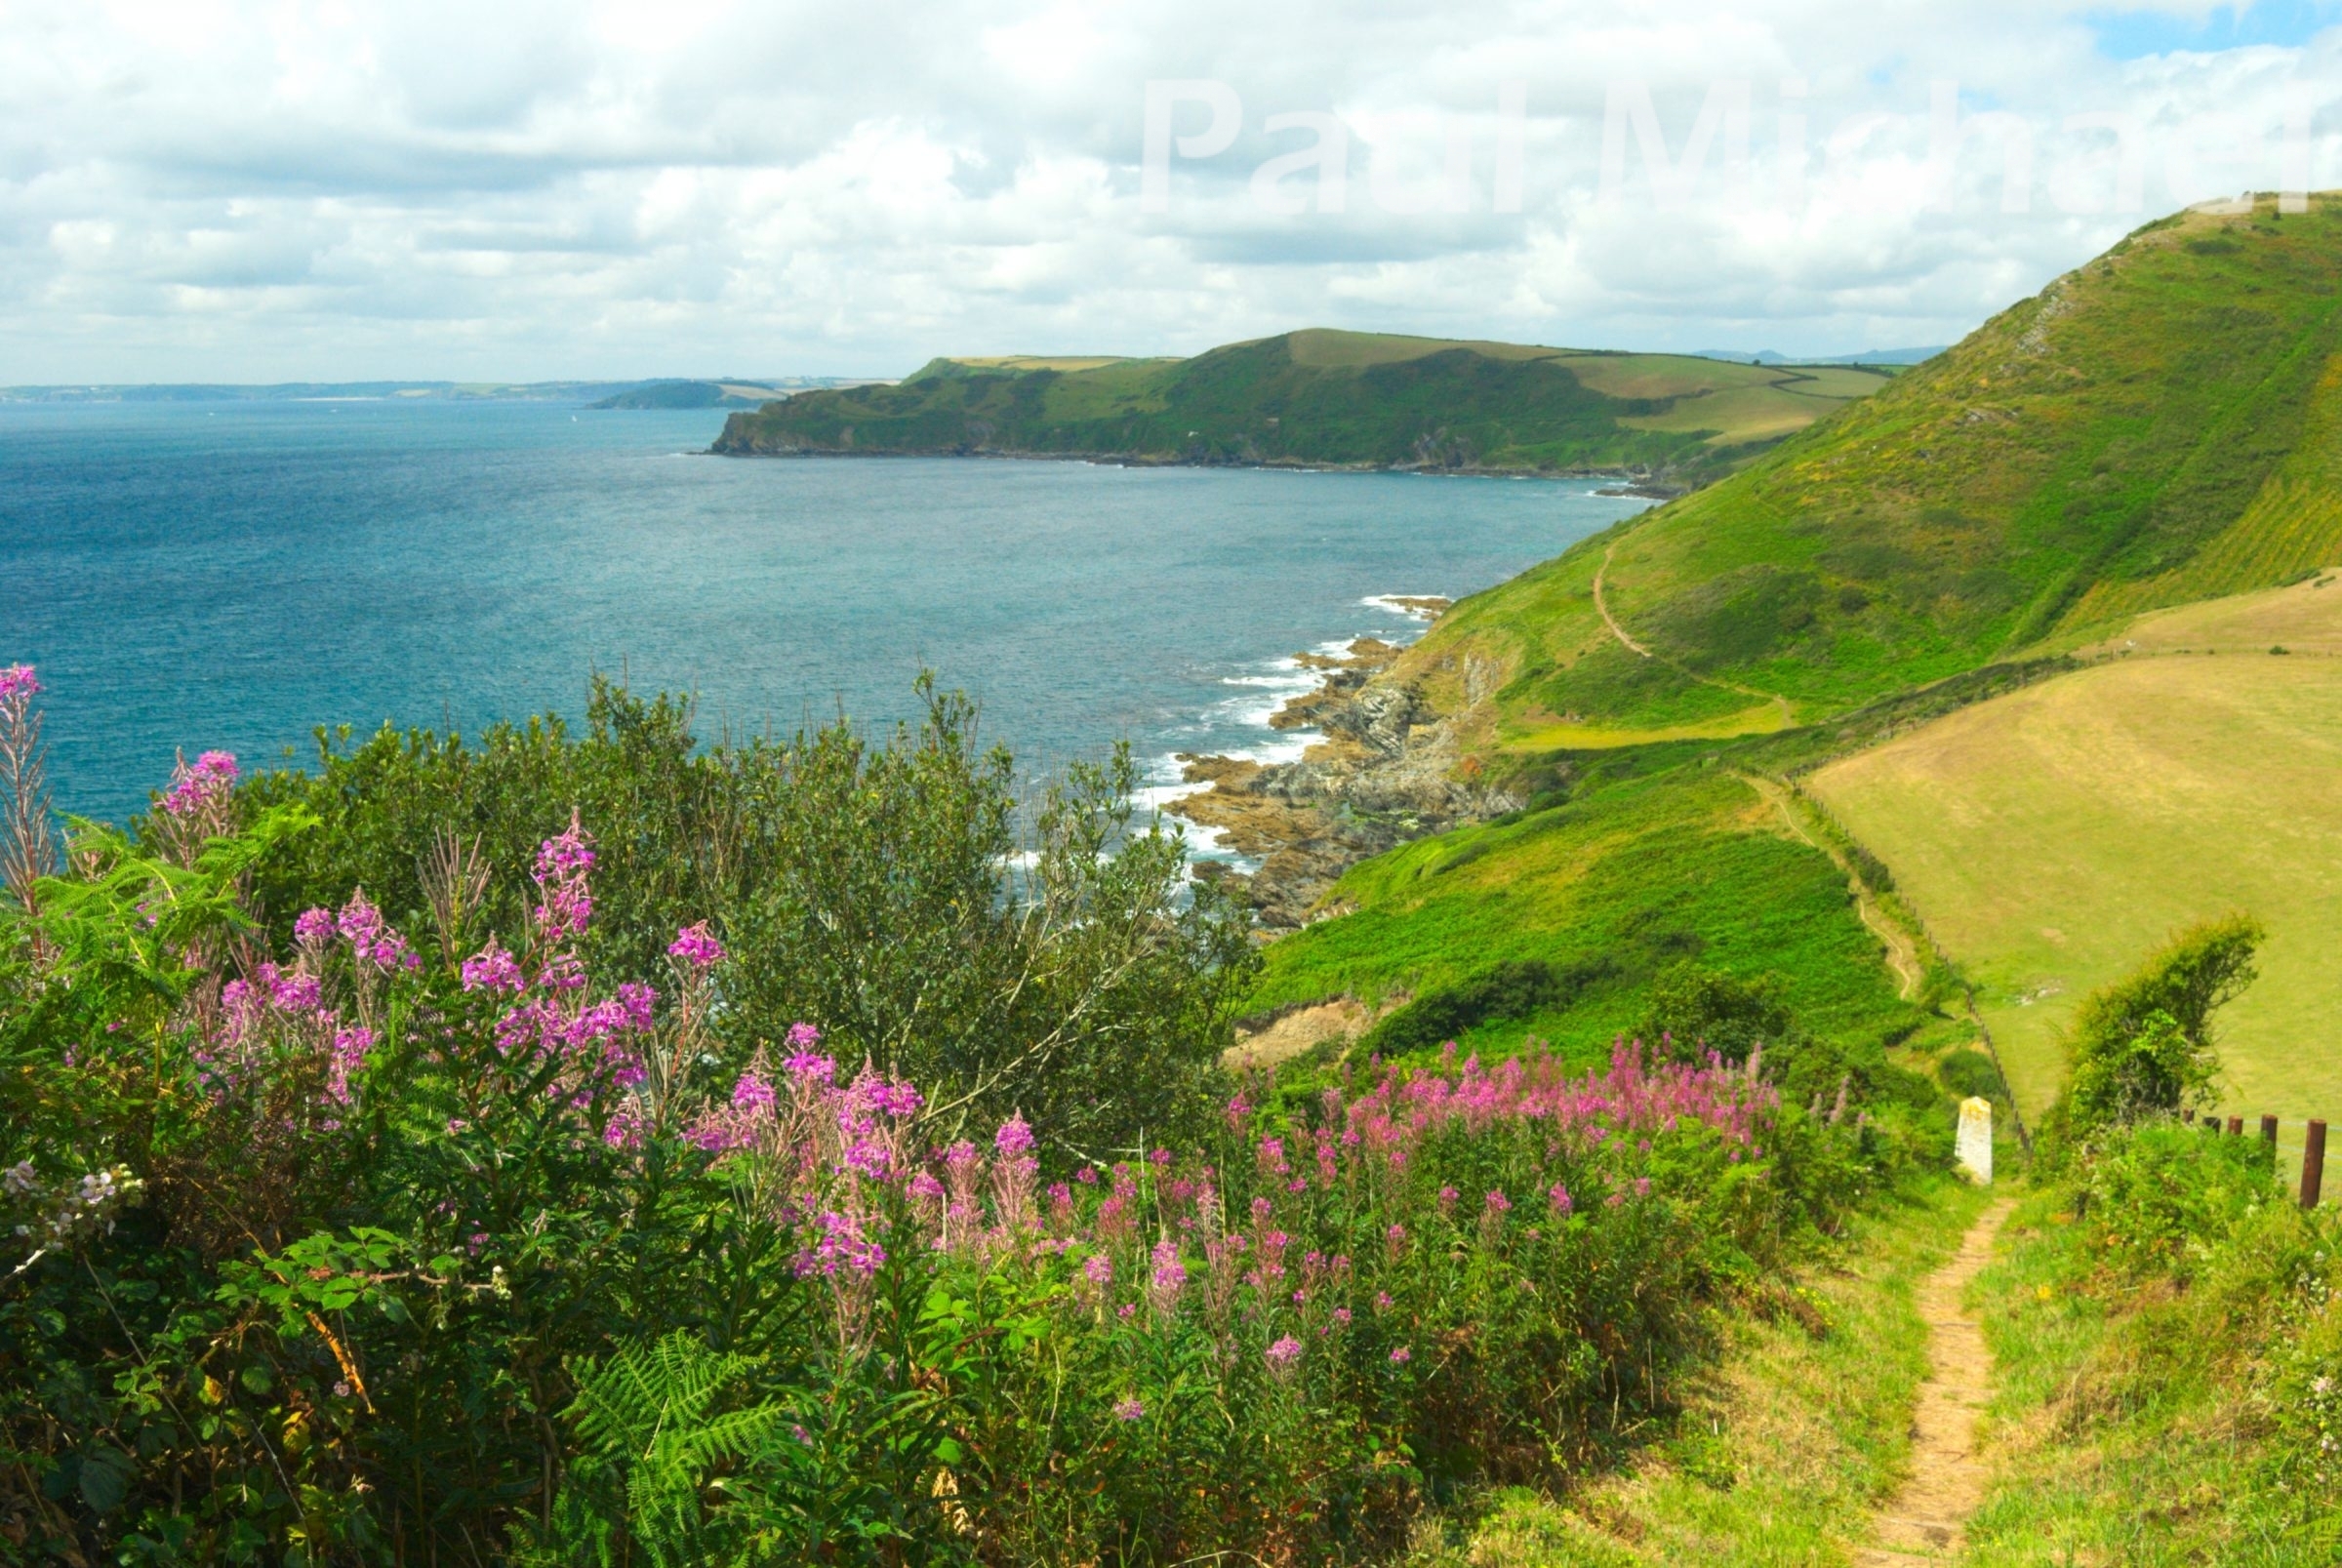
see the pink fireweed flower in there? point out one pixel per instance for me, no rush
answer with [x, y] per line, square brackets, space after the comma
[1498, 1203]
[639, 1002]
[751, 1095]
[696, 946]
[1402, 1356]
[1129, 1410]
[1014, 1138]
[803, 1036]
[1558, 1196]
[562, 866]
[924, 1186]
[1262, 1208]
[1283, 1355]
[624, 1129]
[1087, 1176]
[1447, 1198]
[349, 1054]
[896, 1100]
[1382, 1300]
[1239, 1112]
[1341, 1315]
[1170, 1278]
[193, 788]
[810, 1072]
[841, 1249]
[1098, 1269]
[359, 921]
[17, 680]
[314, 928]
[1394, 1240]
[1642, 1187]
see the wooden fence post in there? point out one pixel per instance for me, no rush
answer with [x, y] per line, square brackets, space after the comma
[2236, 1126]
[2313, 1164]
[2187, 1117]
[2269, 1131]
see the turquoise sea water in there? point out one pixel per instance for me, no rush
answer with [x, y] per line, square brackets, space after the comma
[231, 575]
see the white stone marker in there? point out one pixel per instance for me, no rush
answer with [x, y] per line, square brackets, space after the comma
[1974, 1149]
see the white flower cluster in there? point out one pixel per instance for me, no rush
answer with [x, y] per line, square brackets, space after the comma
[66, 1210]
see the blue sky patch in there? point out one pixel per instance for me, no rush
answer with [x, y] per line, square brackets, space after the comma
[2132, 34]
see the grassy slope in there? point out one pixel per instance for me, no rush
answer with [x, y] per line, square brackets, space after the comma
[1687, 863]
[2132, 1416]
[1788, 1444]
[2053, 835]
[2156, 426]
[1328, 397]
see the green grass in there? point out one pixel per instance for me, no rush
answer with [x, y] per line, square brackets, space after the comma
[1630, 874]
[1785, 1446]
[1328, 397]
[2148, 1379]
[2157, 427]
[2050, 837]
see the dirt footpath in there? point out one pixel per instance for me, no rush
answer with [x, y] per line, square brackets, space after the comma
[1926, 1519]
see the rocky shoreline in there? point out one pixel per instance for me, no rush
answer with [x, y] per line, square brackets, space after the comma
[1382, 775]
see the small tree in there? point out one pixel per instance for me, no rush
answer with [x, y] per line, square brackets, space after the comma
[2142, 1046]
[1701, 1010]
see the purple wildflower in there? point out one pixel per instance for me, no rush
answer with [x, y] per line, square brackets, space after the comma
[697, 946]
[1098, 1269]
[810, 1071]
[1014, 1137]
[16, 680]
[1558, 1196]
[193, 788]
[1402, 1356]
[314, 928]
[1282, 1354]
[1129, 1410]
[751, 1093]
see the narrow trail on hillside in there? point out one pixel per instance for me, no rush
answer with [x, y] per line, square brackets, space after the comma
[1603, 605]
[1902, 953]
[1926, 1520]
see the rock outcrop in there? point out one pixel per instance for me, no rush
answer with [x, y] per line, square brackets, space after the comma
[1385, 773]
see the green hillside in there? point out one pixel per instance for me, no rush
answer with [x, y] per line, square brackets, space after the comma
[2162, 425]
[1323, 397]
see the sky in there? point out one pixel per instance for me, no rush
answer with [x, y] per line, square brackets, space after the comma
[540, 190]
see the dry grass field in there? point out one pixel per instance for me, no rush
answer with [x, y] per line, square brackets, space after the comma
[2052, 836]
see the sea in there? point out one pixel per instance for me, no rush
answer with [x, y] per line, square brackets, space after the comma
[233, 575]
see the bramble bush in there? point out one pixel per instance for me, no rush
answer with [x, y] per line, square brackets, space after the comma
[423, 1217]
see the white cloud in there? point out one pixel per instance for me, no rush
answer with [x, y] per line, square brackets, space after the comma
[223, 191]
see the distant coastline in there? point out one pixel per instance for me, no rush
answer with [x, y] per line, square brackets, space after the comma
[1641, 484]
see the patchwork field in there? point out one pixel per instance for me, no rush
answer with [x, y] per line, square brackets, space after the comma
[2052, 836]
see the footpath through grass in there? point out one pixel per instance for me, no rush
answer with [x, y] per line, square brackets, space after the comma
[1785, 1446]
[2167, 1330]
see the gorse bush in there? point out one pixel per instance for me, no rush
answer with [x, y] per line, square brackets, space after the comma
[482, 1207]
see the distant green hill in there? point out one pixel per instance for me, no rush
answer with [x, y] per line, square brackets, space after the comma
[2162, 425]
[1328, 399]
[689, 394]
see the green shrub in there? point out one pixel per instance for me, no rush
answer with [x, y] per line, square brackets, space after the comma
[1968, 1072]
[2144, 1046]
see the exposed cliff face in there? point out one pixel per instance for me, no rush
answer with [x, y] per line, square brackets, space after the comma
[1385, 773]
